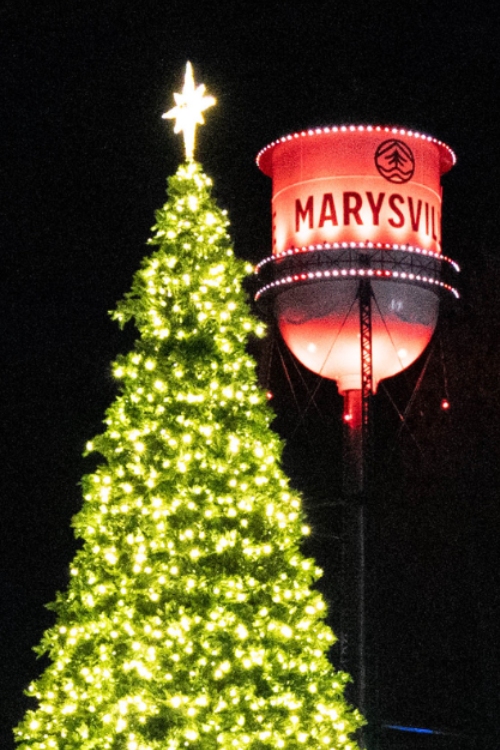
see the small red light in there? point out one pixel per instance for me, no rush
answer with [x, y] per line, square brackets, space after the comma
[347, 417]
[445, 404]
[269, 395]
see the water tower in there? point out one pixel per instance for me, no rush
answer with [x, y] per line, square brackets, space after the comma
[355, 278]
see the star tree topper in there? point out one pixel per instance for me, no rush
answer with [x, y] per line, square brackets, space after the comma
[190, 104]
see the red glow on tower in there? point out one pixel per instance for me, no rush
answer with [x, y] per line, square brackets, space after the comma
[354, 281]
[352, 203]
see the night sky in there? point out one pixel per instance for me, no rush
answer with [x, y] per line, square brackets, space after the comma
[85, 157]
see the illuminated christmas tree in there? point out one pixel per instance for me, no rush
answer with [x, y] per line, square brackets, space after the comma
[190, 620]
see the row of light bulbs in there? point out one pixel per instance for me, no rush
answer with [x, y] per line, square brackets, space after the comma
[359, 129]
[356, 246]
[354, 272]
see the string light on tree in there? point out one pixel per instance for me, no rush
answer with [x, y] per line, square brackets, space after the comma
[190, 104]
[191, 620]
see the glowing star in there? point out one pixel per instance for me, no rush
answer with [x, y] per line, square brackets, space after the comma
[188, 110]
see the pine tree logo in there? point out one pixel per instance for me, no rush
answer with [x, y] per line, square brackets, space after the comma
[395, 161]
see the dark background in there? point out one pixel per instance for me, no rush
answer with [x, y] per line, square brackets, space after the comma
[85, 159]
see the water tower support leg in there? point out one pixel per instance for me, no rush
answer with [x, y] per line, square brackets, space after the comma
[356, 487]
[357, 423]
[365, 326]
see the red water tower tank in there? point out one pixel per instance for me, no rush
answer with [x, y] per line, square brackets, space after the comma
[352, 203]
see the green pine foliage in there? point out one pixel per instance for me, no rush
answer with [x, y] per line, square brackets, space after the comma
[190, 621]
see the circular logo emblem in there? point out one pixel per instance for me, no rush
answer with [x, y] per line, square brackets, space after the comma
[394, 161]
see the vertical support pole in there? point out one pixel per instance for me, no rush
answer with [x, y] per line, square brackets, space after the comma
[357, 422]
[356, 487]
[353, 461]
[365, 328]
